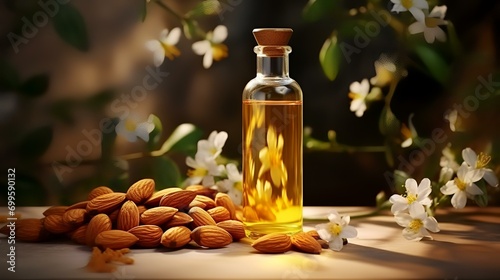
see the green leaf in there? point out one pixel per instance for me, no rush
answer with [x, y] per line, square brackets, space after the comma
[208, 7]
[35, 143]
[330, 58]
[166, 172]
[9, 78]
[108, 139]
[70, 26]
[380, 199]
[436, 65]
[190, 28]
[317, 9]
[35, 86]
[455, 44]
[144, 10]
[183, 139]
[482, 200]
[154, 136]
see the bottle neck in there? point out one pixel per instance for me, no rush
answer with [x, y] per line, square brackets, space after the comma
[272, 62]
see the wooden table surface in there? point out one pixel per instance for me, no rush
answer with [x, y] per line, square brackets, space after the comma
[467, 247]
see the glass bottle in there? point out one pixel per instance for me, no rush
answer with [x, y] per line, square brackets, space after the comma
[272, 140]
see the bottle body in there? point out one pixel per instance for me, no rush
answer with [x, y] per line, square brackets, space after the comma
[272, 149]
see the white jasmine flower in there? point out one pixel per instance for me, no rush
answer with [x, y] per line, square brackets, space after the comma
[165, 46]
[385, 70]
[409, 132]
[212, 48]
[233, 185]
[132, 128]
[358, 93]
[204, 170]
[212, 147]
[415, 7]
[416, 224]
[463, 185]
[480, 162]
[416, 196]
[337, 229]
[430, 26]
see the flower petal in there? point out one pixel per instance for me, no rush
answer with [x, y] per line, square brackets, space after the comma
[201, 47]
[469, 156]
[220, 34]
[173, 36]
[207, 59]
[348, 232]
[334, 217]
[417, 13]
[450, 188]
[323, 232]
[438, 11]
[336, 244]
[411, 186]
[439, 34]
[429, 35]
[416, 27]
[220, 139]
[403, 219]
[459, 200]
[490, 177]
[431, 224]
[473, 189]
[412, 235]
[421, 4]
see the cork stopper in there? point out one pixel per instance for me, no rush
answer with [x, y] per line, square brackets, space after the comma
[272, 36]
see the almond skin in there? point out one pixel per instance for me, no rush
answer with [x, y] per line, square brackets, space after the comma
[56, 225]
[179, 219]
[179, 199]
[78, 205]
[95, 192]
[219, 214]
[314, 234]
[234, 227]
[306, 243]
[149, 235]
[273, 243]
[209, 203]
[158, 215]
[141, 190]
[55, 210]
[115, 239]
[98, 224]
[222, 199]
[75, 217]
[29, 230]
[201, 217]
[105, 203]
[79, 235]
[128, 217]
[211, 236]
[202, 190]
[176, 237]
[154, 200]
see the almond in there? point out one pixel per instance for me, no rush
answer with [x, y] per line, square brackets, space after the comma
[75, 217]
[197, 203]
[141, 190]
[249, 214]
[141, 209]
[201, 217]
[78, 205]
[179, 219]
[105, 203]
[211, 236]
[304, 242]
[209, 203]
[79, 235]
[128, 217]
[149, 235]
[176, 237]
[222, 199]
[113, 216]
[158, 215]
[202, 190]
[30, 230]
[98, 191]
[219, 214]
[55, 210]
[115, 239]
[178, 199]
[154, 200]
[55, 224]
[98, 224]
[314, 234]
[234, 227]
[324, 244]
[273, 243]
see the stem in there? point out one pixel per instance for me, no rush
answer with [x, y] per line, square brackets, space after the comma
[317, 145]
[170, 10]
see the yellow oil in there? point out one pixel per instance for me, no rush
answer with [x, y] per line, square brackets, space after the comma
[272, 166]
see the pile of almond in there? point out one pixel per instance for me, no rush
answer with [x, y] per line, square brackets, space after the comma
[145, 218]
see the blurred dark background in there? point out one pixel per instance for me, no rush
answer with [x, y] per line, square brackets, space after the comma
[211, 99]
